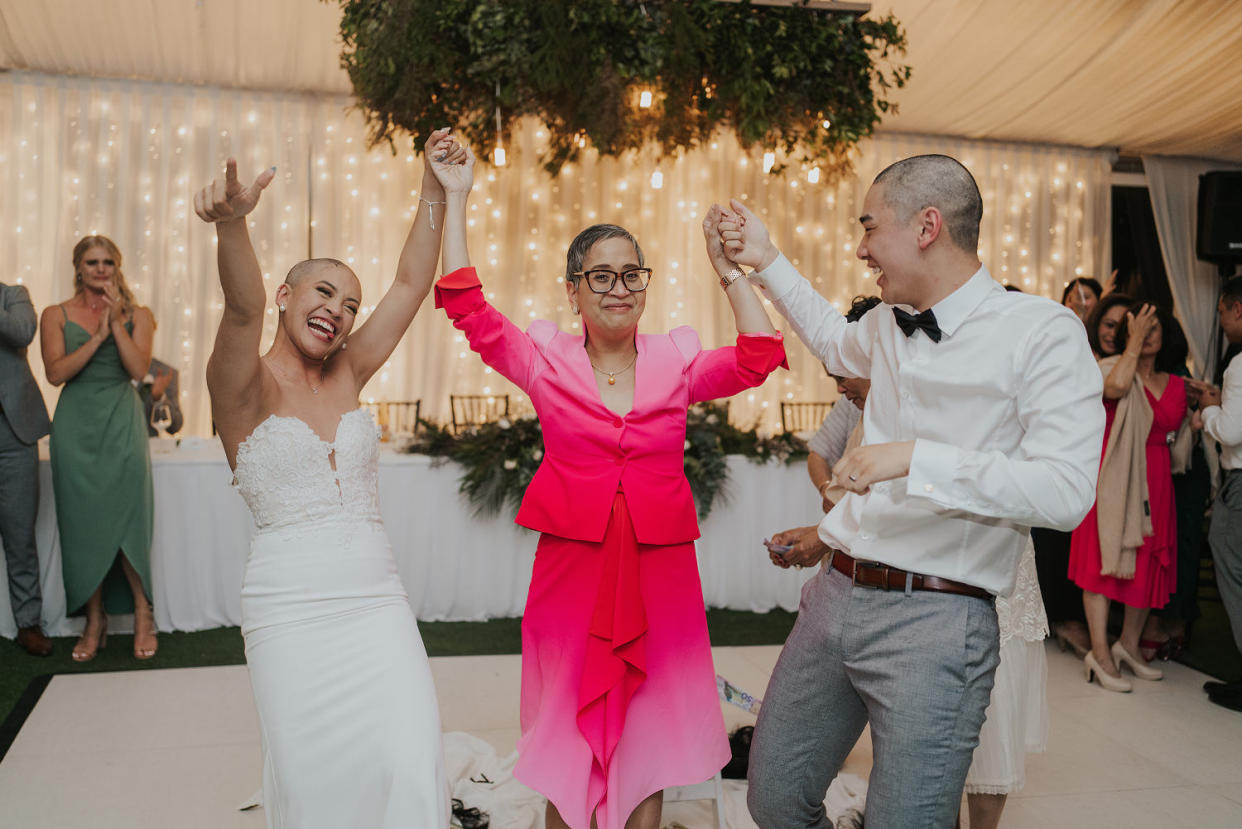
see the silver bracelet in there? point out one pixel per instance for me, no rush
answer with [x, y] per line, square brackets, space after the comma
[431, 215]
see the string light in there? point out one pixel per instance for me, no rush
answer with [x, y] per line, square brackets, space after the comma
[644, 99]
[358, 209]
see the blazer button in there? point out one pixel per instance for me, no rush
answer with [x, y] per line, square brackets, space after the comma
[617, 422]
[620, 461]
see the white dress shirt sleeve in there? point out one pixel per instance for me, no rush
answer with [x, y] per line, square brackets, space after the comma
[844, 348]
[1050, 481]
[1223, 423]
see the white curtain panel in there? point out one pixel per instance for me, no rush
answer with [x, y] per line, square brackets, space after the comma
[122, 158]
[1173, 185]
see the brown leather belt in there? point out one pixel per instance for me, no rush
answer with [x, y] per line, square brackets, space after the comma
[883, 577]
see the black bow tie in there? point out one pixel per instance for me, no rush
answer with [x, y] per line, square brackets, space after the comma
[909, 323]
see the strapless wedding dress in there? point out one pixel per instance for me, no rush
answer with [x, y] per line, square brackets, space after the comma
[346, 704]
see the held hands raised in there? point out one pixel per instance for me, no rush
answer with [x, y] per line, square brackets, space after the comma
[451, 163]
[745, 239]
[711, 235]
[224, 201]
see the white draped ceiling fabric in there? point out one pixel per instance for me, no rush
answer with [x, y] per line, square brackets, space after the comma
[122, 158]
[1028, 83]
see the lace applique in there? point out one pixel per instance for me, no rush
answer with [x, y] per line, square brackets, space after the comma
[1022, 614]
[284, 471]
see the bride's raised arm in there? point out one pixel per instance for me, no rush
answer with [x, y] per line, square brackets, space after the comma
[233, 369]
[375, 340]
[501, 344]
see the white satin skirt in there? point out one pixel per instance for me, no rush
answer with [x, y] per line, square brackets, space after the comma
[346, 703]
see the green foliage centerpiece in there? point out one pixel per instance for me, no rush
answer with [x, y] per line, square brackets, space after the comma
[499, 459]
[619, 75]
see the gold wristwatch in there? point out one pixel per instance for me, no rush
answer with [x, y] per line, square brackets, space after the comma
[730, 276]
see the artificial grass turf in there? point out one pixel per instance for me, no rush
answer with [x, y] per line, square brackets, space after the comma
[223, 646]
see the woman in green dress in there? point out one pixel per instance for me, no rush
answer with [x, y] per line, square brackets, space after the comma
[96, 343]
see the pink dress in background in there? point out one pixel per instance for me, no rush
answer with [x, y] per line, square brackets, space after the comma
[618, 688]
[1155, 571]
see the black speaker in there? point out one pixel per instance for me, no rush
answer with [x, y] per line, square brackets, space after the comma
[1220, 217]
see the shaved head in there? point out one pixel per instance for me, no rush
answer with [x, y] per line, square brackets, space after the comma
[938, 181]
[309, 267]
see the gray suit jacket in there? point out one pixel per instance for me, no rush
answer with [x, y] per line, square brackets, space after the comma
[20, 398]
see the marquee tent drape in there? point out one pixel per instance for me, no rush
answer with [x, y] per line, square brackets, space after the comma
[1173, 184]
[123, 158]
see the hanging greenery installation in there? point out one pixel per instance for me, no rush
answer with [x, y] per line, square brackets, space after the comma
[622, 75]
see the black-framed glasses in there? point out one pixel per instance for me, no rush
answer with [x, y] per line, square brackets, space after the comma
[602, 280]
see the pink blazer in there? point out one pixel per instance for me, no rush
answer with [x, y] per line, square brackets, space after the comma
[588, 449]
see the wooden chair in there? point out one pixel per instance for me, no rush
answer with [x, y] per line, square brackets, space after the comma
[803, 416]
[396, 417]
[477, 409]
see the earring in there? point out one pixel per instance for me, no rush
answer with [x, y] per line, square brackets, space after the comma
[344, 344]
[574, 308]
[281, 306]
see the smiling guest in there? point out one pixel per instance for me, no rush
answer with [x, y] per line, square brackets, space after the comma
[983, 420]
[96, 343]
[618, 689]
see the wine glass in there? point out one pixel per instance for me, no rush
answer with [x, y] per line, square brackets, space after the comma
[161, 417]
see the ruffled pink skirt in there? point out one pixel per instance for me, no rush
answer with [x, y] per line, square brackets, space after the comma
[618, 687]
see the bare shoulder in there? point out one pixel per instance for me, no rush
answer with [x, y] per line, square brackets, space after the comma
[52, 315]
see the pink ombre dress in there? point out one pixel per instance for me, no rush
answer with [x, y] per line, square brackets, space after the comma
[618, 689]
[1155, 571]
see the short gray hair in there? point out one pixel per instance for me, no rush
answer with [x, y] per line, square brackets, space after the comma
[939, 181]
[585, 240]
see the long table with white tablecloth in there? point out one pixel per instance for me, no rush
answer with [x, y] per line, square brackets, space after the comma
[455, 566]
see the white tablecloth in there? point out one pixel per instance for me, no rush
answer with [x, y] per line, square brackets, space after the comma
[455, 567]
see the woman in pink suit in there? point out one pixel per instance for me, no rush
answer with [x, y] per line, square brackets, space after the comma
[618, 689]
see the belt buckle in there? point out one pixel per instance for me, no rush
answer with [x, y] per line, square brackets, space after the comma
[884, 581]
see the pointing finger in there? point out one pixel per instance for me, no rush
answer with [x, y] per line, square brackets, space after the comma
[230, 171]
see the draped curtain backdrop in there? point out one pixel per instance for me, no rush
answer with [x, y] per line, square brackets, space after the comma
[1173, 184]
[122, 158]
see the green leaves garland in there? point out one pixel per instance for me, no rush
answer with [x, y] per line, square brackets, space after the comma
[773, 75]
[499, 459]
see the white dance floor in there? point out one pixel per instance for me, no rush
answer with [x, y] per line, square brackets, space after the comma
[178, 749]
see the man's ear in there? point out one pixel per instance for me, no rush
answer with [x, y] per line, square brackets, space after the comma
[931, 225]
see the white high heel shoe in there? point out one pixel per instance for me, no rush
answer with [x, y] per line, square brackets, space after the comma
[1107, 681]
[1143, 671]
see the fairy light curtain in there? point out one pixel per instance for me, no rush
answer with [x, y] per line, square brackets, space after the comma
[123, 158]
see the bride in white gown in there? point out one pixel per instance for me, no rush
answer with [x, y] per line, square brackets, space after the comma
[346, 704]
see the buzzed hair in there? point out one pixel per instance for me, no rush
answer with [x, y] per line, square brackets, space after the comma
[306, 267]
[939, 181]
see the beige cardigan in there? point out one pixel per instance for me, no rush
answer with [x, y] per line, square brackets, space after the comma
[1123, 509]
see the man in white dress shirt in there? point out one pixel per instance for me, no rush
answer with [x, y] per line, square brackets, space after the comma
[1220, 415]
[984, 419]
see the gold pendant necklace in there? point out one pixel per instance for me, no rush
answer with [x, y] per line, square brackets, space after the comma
[612, 375]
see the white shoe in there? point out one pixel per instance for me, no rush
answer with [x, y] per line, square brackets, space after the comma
[1141, 670]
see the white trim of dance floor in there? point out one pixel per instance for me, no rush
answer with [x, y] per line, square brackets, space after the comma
[179, 749]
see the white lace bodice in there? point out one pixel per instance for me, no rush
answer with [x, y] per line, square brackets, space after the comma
[1022, 614]
[284, 471]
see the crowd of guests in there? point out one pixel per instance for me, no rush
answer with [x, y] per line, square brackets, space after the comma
[97, 345]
